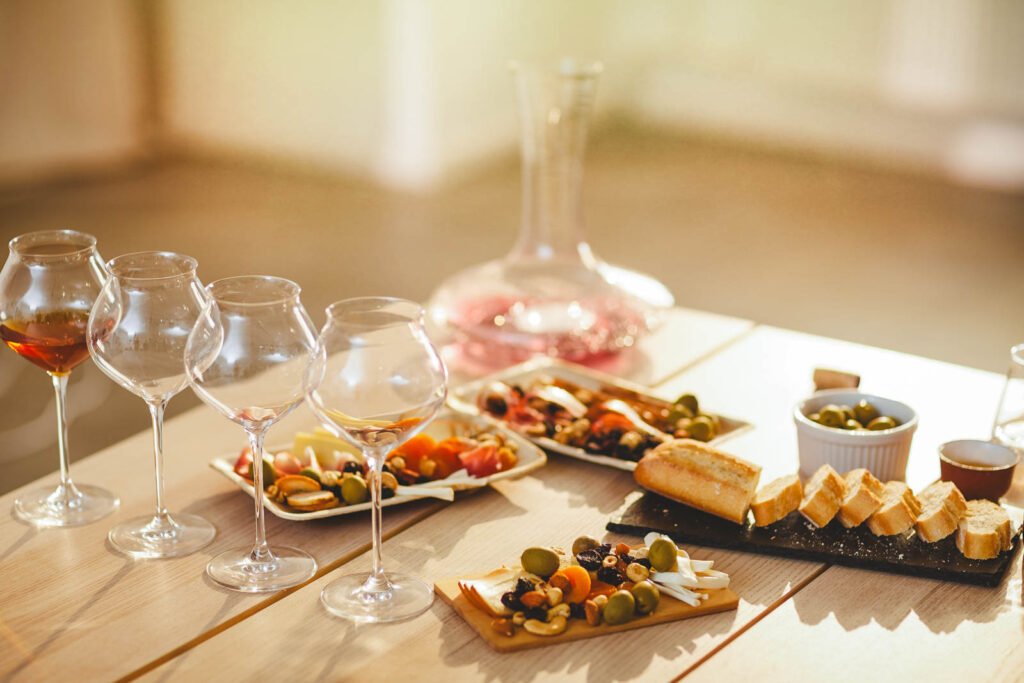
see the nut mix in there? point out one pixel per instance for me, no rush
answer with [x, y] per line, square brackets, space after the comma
[612, 421]
[330, 474]
[599, 584]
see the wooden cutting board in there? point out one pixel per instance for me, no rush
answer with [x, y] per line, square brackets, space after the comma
[669, 609]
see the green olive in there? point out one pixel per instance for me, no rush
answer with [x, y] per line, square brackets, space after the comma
[852, 424]
[620, 608]
[308, 472]
[540, 561]
[814, 417]
[865, 412]
[832, 416]
[662, 554]
[647, 596]
[584, 543]
[269, 475]
[701, 429]
[689, 401]
[676, 417]
[354, 491]
[883, 422]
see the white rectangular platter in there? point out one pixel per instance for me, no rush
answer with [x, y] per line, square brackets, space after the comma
[464, 400]
[449, 423]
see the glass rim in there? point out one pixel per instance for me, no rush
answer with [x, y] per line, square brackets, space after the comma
[1017, 354]
[410, 310]
[78, 243]
[187, 265]
[291, 290]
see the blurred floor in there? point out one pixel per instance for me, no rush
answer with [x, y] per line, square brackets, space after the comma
[900, 262]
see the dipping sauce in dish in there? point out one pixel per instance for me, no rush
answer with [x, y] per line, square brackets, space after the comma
[980, 469]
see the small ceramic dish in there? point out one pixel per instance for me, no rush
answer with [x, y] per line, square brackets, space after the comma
[884, 453]
[980, 469]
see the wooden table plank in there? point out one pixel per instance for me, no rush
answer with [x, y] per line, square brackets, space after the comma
[763, 375]
[562, 501]
[71, 603]
[74, 602]
[850, 624]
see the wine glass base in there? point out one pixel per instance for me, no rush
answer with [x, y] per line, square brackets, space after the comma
[345, 598]
[75, 505]
[152, 537]
[235, 569]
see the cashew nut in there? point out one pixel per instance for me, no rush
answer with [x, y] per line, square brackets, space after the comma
[518, 618]
[554, 595]
[546, 628]
[560, 610]
[636, 572]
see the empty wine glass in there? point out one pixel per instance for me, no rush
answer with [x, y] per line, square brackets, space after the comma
[246, 357]
[137, 334]
[47, 287]
[376, 380]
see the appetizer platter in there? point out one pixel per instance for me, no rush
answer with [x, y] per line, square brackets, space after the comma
[701, 495]
[550, 596]
[319, 475]
[585, 414]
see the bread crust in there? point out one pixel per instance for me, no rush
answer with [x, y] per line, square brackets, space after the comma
[700, 476]
[894, 515]
[984, 531]
[776, 500]
[823, 495]
[942, 506]
[862, 497]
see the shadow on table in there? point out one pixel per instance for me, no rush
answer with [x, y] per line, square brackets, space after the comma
[30, 533]
[622, 656]
[940, 605]
[74, 620]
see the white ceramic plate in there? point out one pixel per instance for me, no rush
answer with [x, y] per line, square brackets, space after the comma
[445, 425]
[464, 400]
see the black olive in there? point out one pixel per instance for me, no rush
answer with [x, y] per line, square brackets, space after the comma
[609, 575]
[511, 600]
[352, 467]
[538, 613]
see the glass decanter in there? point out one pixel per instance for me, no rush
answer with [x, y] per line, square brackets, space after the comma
[550, 295]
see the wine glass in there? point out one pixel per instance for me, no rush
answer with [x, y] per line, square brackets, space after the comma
[47, 286]
[246, 357]
[376, 380]
[137, 334]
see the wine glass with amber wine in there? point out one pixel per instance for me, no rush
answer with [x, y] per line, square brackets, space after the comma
[137, 334]
[246, 356]
[376, 380]
[47, 287]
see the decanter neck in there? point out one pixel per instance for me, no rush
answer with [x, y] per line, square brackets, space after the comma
[555, 109]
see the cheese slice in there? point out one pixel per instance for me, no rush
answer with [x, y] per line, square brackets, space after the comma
[485, 592]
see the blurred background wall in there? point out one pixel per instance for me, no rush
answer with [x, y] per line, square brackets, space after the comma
[412, 93]
[851, 168]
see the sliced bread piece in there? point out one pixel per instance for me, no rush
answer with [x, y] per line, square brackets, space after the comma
[895, 514]
[942, 506]
[776, 500]
[862, 499]
[700, 476]
[984, 530]
[823, 495]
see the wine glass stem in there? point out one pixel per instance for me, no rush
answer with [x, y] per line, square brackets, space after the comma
[377, 582]
[260, 551]
[156, 410]
[60, 387]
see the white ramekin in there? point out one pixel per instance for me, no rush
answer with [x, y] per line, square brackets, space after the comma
[884, 453]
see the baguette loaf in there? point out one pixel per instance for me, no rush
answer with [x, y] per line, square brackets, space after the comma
[942, 506]
[823, 495]
[895, 514]
[700, 476]
[984, 530]
[862, 499]
[776, 500]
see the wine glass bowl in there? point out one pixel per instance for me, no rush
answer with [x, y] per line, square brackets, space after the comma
[137, 334]
[246, 357]
[376, 380]
[47, 287]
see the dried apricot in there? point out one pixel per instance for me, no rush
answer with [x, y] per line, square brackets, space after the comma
[579, 583]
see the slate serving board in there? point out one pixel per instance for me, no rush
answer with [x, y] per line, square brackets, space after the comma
[795, 537]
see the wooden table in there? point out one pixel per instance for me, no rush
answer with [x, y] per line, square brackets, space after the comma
[73, 607]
